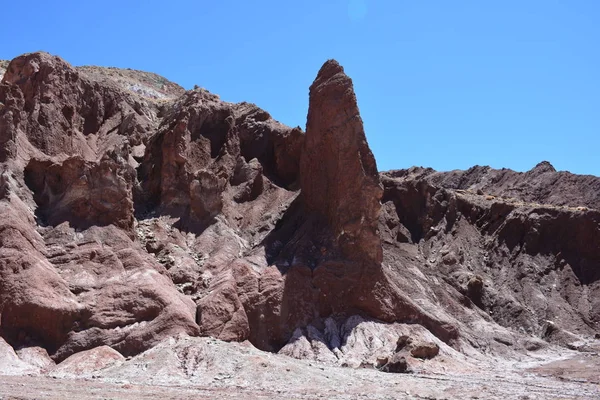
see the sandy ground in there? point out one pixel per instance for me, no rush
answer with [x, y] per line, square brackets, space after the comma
[371, 385]
[200, 368]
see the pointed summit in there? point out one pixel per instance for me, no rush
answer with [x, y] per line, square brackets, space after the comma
[544, 166]
[329, 70]
[338, 173]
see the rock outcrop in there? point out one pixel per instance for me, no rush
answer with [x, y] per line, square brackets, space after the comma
[129, 214]
[328, 242]
[50, 109]
[339, 178]
[83, 193]
[542, 184]
[523, 264]
[71, 276]
[87, 363]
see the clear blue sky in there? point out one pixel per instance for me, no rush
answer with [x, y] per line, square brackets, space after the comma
[446, 84]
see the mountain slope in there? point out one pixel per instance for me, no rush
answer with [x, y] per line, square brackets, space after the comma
[133, 211]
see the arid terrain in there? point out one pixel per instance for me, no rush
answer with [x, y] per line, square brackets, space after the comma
[158, 242]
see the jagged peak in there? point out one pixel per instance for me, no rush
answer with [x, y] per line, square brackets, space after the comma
[543, 166]
[330, 68]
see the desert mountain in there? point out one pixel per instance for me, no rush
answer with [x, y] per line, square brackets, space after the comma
[133, 211]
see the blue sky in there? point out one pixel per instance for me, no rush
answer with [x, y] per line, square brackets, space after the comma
[445, 84]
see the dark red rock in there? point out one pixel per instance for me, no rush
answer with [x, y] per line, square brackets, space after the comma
[397, 364]
[338, 173]
[523, 263]
[61, 111]
[542, 184]
[424, 350]
[64, 143]
[124, 221]
[83, 193]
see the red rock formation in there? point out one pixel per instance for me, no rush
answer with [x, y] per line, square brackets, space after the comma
[124, 221]
[339, 178]
[542, 184]
[327, 248]
[523, 264]
[64, 141]
[340, 187]
[51, 108]
[83, 193]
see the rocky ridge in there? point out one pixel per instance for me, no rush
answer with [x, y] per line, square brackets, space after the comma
[129, 218]
[145, 84]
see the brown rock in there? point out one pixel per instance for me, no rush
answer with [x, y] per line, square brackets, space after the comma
[63, 289]
[424, 350]
[206, 148]
[83, 193]
[475, 289]
[396, 364]
[276, 146]
[86, 363]
[327, 242]
[60, 111]
[542, 184]
[402, 342]
[338, 174]
[125, 220]
[35, 302]
[535, 271]
[331, 232]
[222, 314]
[287, 150]
[68, 309]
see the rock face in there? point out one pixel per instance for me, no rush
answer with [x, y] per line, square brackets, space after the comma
[132, 211]
[397, 364]
[327, 242]
[83, 193]
[523, 264]
[71, 276]
[542, 184]
[339, 178]
[50, 110]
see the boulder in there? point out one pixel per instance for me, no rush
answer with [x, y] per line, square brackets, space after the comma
[11, 364]
[424, 350]
[396, 364]
[87, 363]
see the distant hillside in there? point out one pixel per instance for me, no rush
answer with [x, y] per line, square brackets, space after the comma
[145, 84]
